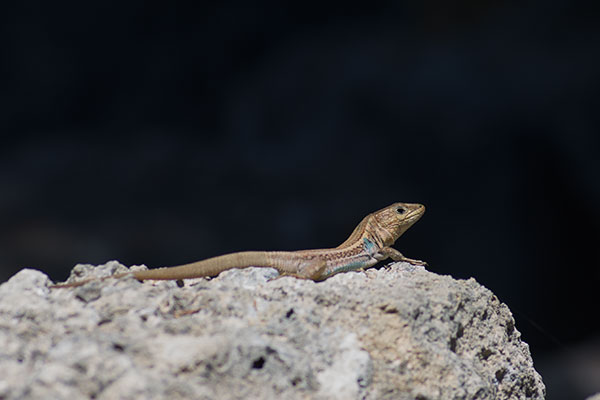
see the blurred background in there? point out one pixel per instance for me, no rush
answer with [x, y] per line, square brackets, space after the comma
[164, 133]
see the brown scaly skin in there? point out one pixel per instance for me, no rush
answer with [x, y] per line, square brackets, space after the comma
[368, 244]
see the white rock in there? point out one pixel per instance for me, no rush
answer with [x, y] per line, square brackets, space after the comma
[398, 332]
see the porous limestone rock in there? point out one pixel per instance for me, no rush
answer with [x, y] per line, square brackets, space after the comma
[398, 332]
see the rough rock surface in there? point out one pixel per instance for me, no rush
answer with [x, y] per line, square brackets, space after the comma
[399, 332]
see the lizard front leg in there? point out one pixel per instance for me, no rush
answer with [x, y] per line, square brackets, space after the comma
[390, 252]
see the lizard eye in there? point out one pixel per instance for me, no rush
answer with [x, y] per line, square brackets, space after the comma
[400, 210]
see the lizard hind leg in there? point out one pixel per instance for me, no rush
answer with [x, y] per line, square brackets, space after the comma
[315, 269]
[309, 269]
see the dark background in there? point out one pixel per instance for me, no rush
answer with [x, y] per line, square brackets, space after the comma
[161, 134]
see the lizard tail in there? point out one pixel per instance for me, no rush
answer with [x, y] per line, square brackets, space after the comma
[84, 281]
[285, 262]
[209, 267]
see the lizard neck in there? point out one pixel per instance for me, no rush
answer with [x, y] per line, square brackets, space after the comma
[376, 233]
[370, 229]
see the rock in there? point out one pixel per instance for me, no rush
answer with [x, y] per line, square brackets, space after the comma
[594, 397]
[399, 332]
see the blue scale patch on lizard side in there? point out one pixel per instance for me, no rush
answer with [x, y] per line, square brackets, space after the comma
[360, 262]
[369, 246]
[348, 267]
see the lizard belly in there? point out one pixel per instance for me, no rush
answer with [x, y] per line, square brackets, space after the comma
[355, 263]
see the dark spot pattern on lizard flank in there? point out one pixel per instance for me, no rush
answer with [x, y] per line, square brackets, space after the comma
[346, 253]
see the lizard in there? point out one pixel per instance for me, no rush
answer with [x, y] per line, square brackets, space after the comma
[369, 243]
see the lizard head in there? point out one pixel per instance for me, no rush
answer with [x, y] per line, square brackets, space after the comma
[397, 218]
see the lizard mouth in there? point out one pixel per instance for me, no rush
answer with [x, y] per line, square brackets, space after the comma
[414, 213]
